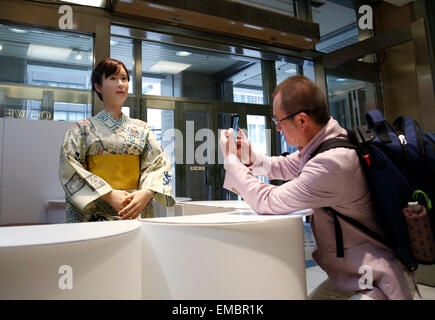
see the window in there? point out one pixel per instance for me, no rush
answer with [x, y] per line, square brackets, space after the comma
[257, 136]
[71, 111]
[176, 71]
[32, 61]
[122, 49]
[162, 123]
[339, 32]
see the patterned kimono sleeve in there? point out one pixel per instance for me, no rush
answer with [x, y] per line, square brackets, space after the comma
[155, 171]
[81, 186]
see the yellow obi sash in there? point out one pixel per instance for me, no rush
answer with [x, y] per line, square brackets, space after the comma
[121, 171]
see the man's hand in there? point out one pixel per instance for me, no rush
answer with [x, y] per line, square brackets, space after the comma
[116, 198]
[136, 201]
[244, 149]
[226, 142]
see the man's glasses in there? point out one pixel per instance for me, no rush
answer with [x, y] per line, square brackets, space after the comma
[277, 122]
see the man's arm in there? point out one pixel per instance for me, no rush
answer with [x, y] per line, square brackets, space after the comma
[320, 184]
[282, 168]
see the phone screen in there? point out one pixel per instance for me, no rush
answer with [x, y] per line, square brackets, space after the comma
[235, 124]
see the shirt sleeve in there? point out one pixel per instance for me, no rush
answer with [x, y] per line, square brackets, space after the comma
[311, 189]
[281, 168]
[81, 186]
[155, 171]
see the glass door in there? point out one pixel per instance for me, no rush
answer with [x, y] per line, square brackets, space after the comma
[160, 114]
[198, 178]
[348, 100]
[161, 122]
[259, 135]
[223, 123]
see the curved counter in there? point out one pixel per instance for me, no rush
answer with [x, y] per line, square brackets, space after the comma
[229, 255]
[232, 255]
[71, 261]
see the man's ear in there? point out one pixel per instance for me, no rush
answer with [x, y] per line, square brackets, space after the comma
[304, 119]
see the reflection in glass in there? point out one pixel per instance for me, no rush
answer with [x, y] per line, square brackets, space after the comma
[152, 86]
[23, 109]
[339, 32]
[177, 71]
[257, 136]
[47, 58]
[348, 100]
[284, 70]
[71, 111]
[162, 122]
[248, 84]
[122, 49]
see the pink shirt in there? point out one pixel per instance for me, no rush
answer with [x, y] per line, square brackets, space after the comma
[333, 178]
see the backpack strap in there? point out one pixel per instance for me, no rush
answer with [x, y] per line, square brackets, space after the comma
[331, 144]
[376, 120]
[339, 233]
[343, 143]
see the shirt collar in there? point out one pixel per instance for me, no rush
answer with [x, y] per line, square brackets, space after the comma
[109, 120]
[332, 129]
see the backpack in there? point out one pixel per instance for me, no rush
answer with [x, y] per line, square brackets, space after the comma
[399, 165]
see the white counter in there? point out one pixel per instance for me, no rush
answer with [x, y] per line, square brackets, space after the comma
[229, 255]
[40, 262]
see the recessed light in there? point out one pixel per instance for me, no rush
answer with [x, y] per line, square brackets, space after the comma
[290, 71]
[183, 53]
[169, 67]
[16, 30]
[48, 52]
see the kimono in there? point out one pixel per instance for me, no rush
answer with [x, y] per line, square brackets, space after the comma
[100, 154]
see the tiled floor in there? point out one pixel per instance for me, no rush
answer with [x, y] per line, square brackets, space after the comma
[316, 276]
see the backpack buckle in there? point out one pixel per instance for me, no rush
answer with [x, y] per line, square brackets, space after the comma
[367, 158]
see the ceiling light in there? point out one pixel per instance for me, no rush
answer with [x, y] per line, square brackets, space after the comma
[341, 79]
[78, 56]
[91, 3]
[290, 71]
[169, 67]
[16, 30]
[48, 52]
[113, 42]
[252, 27]
[183, 53]
[1, 47]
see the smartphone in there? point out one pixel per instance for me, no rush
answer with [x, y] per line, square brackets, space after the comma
[235, 124]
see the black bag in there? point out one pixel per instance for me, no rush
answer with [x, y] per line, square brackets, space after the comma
[397, 161]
